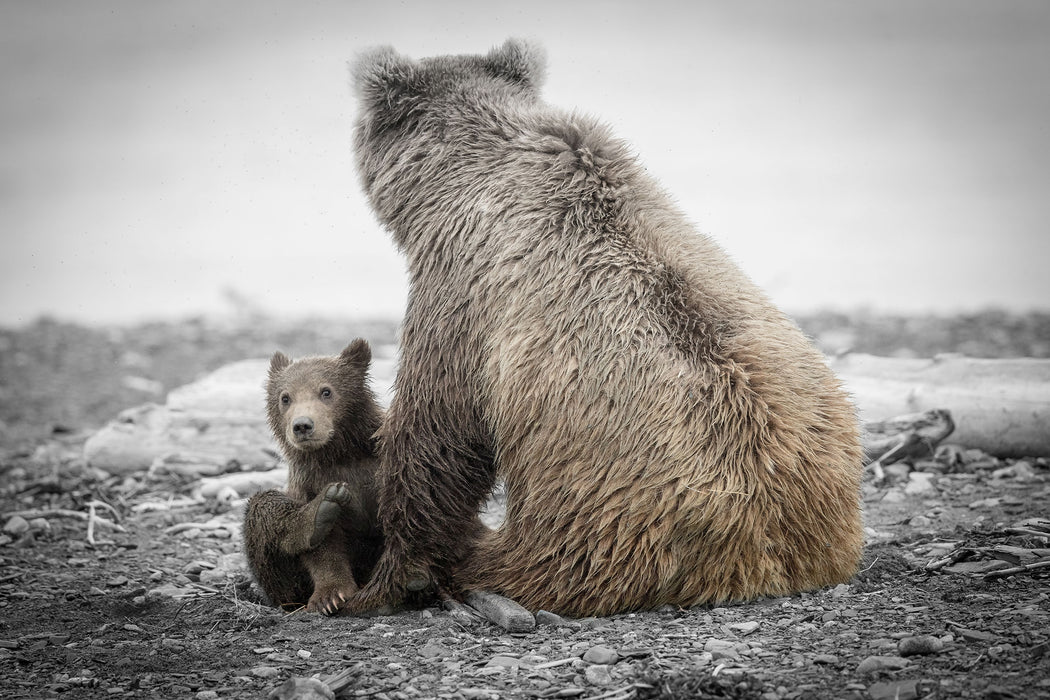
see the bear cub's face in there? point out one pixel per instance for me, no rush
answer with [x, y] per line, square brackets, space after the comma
[310, 400]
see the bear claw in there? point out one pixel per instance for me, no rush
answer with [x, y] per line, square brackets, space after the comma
[329, 600]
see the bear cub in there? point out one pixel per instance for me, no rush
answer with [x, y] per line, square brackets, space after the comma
[316, 542]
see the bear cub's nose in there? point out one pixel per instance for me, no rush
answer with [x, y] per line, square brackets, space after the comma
[303, 427]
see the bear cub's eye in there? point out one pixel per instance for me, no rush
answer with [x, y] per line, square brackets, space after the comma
[326, 393]
[285, 399]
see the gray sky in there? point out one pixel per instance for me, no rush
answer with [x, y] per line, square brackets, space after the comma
[890, 154]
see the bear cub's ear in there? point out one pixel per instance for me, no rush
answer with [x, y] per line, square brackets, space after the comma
[278, 362]
[518, 61]
[357, 354]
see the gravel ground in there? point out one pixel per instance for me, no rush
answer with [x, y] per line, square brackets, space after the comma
[162, 607]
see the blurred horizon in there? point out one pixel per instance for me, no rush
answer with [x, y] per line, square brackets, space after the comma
[166, 161]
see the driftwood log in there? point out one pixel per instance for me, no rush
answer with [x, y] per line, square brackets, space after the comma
[999, 406]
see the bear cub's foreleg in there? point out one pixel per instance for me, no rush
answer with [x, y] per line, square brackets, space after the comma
[277, 531]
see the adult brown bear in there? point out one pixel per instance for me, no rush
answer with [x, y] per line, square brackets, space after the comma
[665, 433]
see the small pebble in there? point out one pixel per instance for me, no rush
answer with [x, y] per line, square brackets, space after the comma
[500, 661]
[16, 525]
[550, 619]
[721, 649]
[298, 688]
[266, 672]
[744, 628]
[195, 567]
[920, 521]
[433, 650]
[840, 590]
[881, 663]
[601, 655]
[894, 496]
[921, 644]
[894, 690]
[985, 503]
[211, 577]
[598, 674]
[919, 482]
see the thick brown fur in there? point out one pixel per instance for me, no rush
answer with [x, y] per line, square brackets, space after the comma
[665, 433]
[315, 543]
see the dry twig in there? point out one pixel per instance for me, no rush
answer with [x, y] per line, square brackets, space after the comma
[1022, 569]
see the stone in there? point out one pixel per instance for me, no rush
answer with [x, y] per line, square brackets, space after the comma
[265, 672]
[897, 472]
[549, 619]
[840, 590]
[168, 590]
[975, 635]
[985, 503]
[894, 690]
[919, 483]
[601, 655]
[213, 577]
[16, 525]
[881, 663]
[920, 522]
[434, 650]
[195, 567]
[598, 674]
[478, 694]
[301, 689]
[721, 649]
[744, 628]
[502, 611]
[500, 661]
[894, 495]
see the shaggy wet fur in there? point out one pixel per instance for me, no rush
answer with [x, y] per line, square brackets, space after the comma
[665, 433]
[314, 543]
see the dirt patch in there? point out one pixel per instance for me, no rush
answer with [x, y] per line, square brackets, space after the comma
[162, 608]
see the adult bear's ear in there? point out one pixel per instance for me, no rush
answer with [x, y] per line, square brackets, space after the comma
[357, 354]
[385, 82]
[518, 61]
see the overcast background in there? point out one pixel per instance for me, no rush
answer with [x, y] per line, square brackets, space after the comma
[160, 158]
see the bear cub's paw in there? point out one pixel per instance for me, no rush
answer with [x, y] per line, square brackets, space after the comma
[329, 598]
[329, 509]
